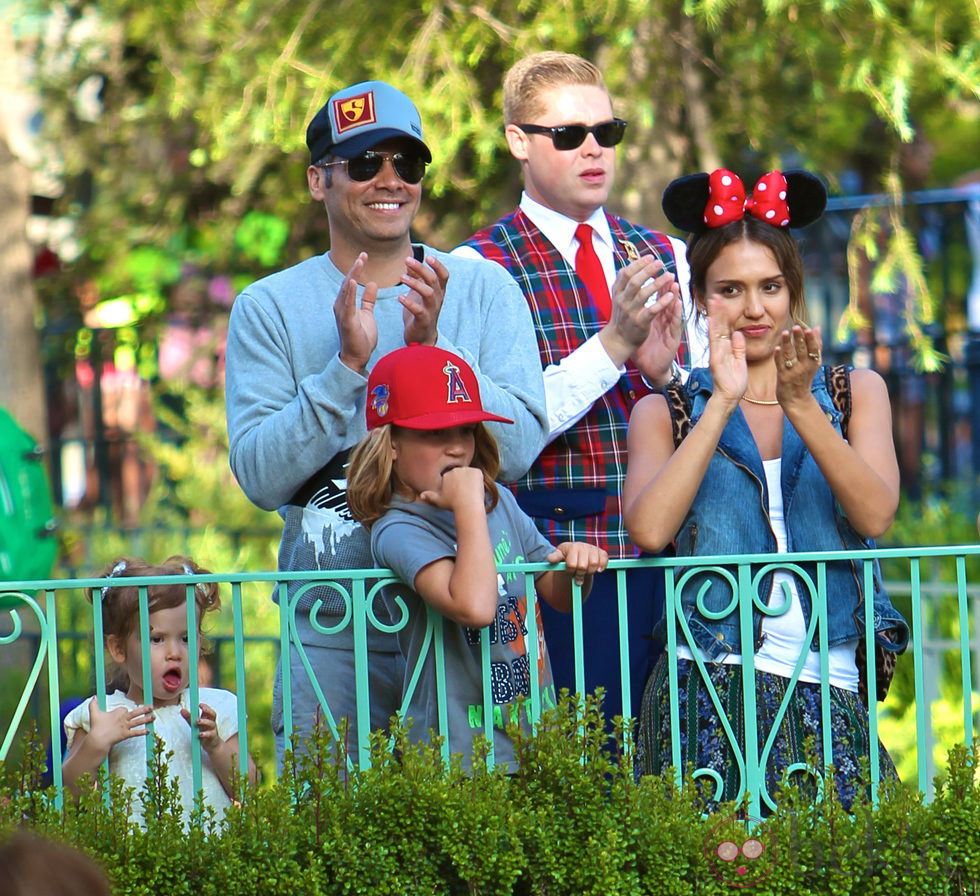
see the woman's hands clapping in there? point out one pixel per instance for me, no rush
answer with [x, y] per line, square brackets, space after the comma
[729, 369]
[797, 358]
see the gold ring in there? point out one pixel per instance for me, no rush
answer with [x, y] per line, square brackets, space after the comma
[788, 363]
[814, 355]
[724, 336]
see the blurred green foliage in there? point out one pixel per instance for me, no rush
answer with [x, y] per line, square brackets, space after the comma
[168, 120]
[933, 521]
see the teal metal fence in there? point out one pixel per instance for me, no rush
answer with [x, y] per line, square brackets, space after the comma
[938, 589]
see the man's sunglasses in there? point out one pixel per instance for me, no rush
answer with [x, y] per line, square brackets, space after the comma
[572, 136]
[409, 166]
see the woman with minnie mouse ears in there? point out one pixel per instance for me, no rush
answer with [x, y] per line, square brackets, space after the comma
[749, 456]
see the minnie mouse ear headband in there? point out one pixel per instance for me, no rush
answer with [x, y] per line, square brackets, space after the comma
[699, 202]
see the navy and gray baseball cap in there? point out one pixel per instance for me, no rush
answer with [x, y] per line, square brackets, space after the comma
[361, 116]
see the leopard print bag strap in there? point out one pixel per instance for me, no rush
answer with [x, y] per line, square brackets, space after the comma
[679, 405]
[838, 380]
[839, 386]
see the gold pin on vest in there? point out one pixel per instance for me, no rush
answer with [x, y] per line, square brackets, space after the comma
[632, 254]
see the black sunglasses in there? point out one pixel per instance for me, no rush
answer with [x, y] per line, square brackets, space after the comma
[572, 136]
[409, 166]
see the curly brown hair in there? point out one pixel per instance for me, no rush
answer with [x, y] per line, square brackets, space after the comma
[120, 604]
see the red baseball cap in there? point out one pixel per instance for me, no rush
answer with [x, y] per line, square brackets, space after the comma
[424, 387]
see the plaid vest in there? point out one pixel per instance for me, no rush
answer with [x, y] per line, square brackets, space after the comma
[574, 489]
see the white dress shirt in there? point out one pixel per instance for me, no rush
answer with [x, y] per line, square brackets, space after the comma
[572, 386]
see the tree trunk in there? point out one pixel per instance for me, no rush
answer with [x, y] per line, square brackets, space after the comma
[21, 372]
[658, 85]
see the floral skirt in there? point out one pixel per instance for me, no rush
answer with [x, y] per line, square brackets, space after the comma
[705, 744]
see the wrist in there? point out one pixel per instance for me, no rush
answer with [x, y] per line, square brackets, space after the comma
[618, 349]
[214, 748]
[353, 364]
[722, 404]
[659, 379]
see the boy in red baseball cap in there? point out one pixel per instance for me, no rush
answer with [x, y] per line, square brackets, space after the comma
[422, 481]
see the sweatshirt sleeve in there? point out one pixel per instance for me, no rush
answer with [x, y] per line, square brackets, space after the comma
[281, 431]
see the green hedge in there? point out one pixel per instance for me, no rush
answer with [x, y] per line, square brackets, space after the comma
[571, 820]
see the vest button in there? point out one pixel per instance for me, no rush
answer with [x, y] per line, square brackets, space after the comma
[559, 511]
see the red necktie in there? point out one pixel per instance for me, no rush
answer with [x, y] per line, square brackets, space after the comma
[590, 272]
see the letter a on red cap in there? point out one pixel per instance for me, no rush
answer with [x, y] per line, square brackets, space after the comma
[456, 387]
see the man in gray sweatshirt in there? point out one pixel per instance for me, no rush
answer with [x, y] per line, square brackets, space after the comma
[300, 345]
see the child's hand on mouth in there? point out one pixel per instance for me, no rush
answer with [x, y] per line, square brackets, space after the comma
[459, 487]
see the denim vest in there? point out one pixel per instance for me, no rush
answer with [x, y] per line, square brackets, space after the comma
[729, 515]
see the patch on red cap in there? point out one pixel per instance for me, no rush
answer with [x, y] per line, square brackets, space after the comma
[354, 111]
[379, 400]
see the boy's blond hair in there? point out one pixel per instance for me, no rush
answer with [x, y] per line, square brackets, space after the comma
[531, 76]
[370, 475]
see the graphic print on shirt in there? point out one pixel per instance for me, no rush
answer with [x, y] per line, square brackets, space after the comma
[510, 675]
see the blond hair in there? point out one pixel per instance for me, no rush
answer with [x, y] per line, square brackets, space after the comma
[371, 476]
[528, 78]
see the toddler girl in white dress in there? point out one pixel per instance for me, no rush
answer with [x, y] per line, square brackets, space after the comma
[119, 731]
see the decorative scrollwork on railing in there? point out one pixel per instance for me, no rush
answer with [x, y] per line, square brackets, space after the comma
[728, 597]
[392, 601]
[10, 607]
[346, 598]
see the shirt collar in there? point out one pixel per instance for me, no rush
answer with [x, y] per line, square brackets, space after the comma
[560, 229]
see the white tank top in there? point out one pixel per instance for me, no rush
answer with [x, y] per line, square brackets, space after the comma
[783, 635]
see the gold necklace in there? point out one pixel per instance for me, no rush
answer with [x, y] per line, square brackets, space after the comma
[758, 401]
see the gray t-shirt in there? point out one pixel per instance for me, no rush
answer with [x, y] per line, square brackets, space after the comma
[408, 538]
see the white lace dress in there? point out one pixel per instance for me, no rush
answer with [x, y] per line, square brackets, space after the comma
[127, 759]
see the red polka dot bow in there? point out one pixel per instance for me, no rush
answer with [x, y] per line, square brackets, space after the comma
[727, 202]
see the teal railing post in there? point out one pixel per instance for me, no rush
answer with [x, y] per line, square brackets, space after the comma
[671, 599]
[578, 642]
[238, 621]
[362, 696]
[966, 675]
[921, 710]
[54, 694]
[624, 649]
[534, 650]
[194, 698]
[826, 726]
[144, 613]
[286, 628]
[755, 773]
